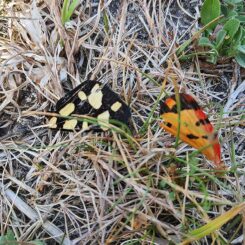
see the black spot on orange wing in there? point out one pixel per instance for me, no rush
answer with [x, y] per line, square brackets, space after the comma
[214, 136]
[205, 137]
[202, 122]
[169, 124]
[164, 108]
[187, 102]
[192, 136]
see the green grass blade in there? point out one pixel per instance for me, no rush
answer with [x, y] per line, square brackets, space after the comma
[213, 225]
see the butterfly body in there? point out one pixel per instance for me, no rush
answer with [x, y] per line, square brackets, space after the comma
[191, 124]
[90, 98]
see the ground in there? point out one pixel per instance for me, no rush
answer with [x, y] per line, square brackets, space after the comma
[105, 188]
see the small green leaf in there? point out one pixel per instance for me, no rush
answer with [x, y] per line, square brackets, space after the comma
[241, 48]
[231, 26]
[220, 38]
[210, 10]
[205, 42]
[238, 37]
[240, 58]
[241, 18]
[231, 14]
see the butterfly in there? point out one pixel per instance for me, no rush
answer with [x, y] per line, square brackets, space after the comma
[193, 124]
[91, 98]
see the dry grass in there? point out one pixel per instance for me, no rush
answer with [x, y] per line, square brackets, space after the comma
[94, 188]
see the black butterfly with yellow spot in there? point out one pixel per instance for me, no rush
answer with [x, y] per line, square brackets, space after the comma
[93, 99]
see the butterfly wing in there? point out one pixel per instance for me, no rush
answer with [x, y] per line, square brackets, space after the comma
[93, 99]
[195, 128]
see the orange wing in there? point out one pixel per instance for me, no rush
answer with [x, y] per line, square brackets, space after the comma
[195, 128]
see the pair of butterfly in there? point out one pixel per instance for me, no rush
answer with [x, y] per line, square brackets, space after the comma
[98, 101]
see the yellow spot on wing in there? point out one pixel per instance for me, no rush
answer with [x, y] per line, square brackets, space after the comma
[70, 124]
[85, 125]
[82, 96]
[67, 110]
[95, 99]
[116, 106]
[103, 119]
[52, 122]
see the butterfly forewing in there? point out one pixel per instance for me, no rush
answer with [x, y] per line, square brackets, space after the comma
[195, 128]
[93, 99]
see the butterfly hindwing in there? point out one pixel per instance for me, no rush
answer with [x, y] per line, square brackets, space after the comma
[93, 99]
[195, 128]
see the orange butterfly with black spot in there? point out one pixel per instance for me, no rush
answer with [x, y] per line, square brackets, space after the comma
[194, 126]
